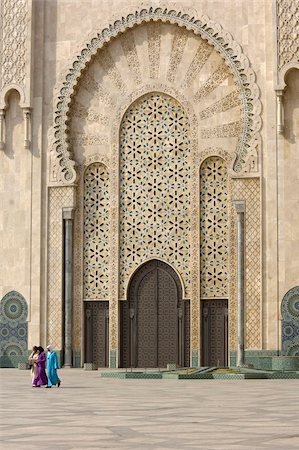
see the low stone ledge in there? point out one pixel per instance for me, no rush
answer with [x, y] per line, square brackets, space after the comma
[90, 366]
[23, 366]
[285, 363]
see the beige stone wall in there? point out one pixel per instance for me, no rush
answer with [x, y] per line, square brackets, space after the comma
[15, 166]
[20, 164]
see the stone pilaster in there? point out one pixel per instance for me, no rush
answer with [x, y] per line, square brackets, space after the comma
[240, 209]
[27, 120]
[68, 217]
[279, 111]
[2, 121]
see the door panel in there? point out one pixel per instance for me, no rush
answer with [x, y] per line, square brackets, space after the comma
[97, 333]
[167, 319]
[147, 321]
[153, 319]
[214, 325]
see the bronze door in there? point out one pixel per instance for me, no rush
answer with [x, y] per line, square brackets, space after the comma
[214, 332]
[153, 330]
[97, 333]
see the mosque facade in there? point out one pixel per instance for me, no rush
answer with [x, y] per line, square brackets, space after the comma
[149, 173]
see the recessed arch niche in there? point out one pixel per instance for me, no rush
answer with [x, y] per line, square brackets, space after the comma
[198, 63]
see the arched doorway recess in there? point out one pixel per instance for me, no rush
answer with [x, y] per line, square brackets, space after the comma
[217, 84]
[154, 326]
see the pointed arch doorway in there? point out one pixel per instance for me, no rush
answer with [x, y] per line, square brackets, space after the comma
[155, 319]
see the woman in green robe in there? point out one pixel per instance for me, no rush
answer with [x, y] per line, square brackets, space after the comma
[52, 366]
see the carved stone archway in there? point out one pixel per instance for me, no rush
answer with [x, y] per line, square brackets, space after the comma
[70, 144]
[208, 30]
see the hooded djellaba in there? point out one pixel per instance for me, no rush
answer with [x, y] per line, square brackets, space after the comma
[52, 366]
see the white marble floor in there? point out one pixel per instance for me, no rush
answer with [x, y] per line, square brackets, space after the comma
[88, 412]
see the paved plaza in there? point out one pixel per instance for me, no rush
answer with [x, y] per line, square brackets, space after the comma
[89, 412]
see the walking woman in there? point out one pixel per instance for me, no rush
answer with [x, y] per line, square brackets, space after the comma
[41, 377]
[52, 366]
[32, 360]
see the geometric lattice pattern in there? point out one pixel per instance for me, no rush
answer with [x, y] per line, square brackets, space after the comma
[213, 228]
[13, 324]
[154, 186]
[249, 190]
[290, 322]
[59, 198]
[288, 33]
[96, 232]
[14, 23]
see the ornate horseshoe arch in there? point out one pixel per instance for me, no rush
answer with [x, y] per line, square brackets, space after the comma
[210, 31]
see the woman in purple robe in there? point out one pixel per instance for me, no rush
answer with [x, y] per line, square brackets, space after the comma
[41, 377]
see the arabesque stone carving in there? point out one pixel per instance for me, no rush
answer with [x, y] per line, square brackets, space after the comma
[234, 61]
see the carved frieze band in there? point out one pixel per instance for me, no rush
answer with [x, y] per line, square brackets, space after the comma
[13, 20]
[236, 62]
[288, 33]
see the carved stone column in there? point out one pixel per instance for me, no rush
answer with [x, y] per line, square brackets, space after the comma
[88, 333]
[279, 111]
[27, 118]
[2, 119]
[240, 209]
[68, 216]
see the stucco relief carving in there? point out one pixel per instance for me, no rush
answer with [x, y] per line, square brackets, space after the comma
[252, 162]
[214, 244]
[55, 172]
[288, 33]
[15, 54]
[229, 101]
[154, 44]
[199, 60]
[88, 139]
[287, 47]
[215, 79]
[58, 198]
[232, 239]
[231, 129]
[222, 75]
[129, 48]
[178, 45]
[249, 190]
[155, 187]
[216, 151]
[96, 232]
[194, 206]
[94, 88]
[78, 246]
[91, 115]
[14, 17]
[235, 64]
[109, 67]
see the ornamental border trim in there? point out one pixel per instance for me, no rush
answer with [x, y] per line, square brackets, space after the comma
[203, 26]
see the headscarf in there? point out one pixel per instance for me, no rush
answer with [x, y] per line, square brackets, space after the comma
[50, 348]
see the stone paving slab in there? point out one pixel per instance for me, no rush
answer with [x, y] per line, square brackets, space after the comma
[89, 412]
